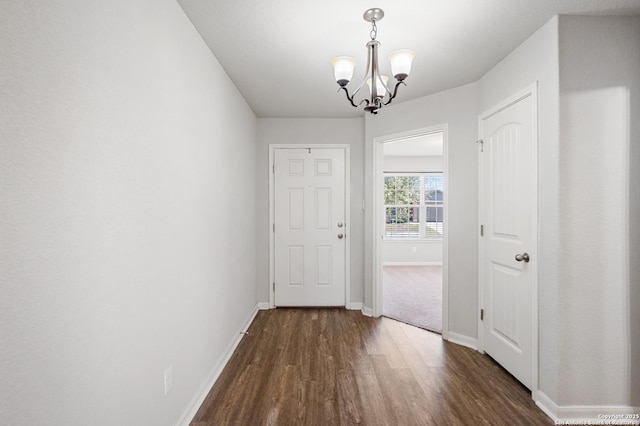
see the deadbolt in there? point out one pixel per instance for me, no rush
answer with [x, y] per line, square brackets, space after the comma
[523, 256]
[339, 224]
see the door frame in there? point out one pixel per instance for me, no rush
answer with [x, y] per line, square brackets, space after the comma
[378, 206]
[529, 91]
[347, 207]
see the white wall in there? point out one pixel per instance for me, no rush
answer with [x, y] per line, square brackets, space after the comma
[311, 131]
[419, 252]
[537, 60]
[123, 145]
[599, 159]
[458, 109]
[411, 164]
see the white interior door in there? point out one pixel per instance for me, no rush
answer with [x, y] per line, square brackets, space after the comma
[310, 228]
[508, 245]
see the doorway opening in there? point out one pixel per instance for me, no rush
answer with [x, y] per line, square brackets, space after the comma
[411, 222]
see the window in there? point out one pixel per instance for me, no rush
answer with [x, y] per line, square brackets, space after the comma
[413, 205]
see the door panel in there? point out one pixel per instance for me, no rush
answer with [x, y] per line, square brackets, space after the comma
[296, 266]
[508, 212]
[505, 306]
[296, 209]
[309, 264]
[323, 208]
[323, 262]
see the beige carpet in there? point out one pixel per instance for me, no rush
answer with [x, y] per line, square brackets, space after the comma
[413, 295]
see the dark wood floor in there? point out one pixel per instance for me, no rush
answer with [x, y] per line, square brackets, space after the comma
[338, 367]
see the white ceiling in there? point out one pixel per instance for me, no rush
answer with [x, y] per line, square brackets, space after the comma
[278, 52]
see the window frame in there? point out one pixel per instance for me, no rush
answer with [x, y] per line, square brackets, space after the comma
[421, 206]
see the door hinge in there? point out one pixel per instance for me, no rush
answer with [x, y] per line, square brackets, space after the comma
[481, 314]
[273, 169]
[482, 230]
[274, 286]
[274, 227]
[481, 143]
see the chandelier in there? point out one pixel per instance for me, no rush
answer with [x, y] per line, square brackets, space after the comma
[379, 93]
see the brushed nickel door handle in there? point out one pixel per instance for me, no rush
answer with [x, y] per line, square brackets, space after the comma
[523, 257]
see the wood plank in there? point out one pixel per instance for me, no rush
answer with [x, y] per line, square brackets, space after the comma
[402, 395]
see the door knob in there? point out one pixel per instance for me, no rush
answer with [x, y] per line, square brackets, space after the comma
[523, 256]
[340, 236]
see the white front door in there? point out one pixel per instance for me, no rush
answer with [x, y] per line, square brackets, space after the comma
[310, 228]
[508, 246]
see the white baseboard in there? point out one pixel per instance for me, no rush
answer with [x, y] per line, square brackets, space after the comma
[585, 414]
[366, 311]
[202, 393]
[354, 306]
[462, 340]
[546, 404]
[412, 264]
[263, 306]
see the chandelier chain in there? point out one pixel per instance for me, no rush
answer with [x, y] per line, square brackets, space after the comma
[374, 30]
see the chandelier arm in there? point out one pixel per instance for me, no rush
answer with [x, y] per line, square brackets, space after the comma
[349, 97]
[358, 89]
[375, 74]
[395, 92]
[387, 91]
[364, 80]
